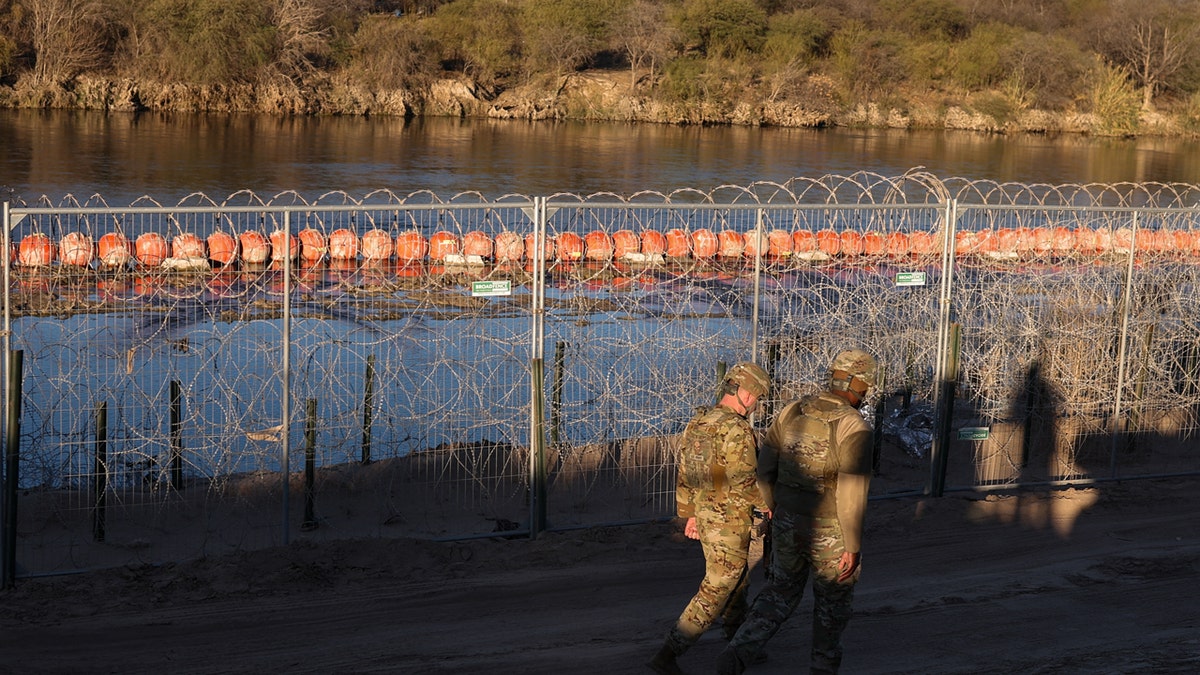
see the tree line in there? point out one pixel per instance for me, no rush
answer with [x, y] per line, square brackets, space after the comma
[1115, 59]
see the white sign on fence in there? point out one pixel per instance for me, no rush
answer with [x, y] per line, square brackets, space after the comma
[910, 278]
[491, 288]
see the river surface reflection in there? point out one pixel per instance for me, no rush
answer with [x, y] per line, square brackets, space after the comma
[122, 157]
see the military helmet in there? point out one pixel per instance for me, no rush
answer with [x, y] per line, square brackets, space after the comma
[751, 377]
[853, 370]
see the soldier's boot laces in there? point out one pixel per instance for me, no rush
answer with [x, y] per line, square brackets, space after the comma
[664, 663]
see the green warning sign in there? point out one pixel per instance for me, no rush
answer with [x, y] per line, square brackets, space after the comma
[973, 433]
[490, 288]
[910, 278]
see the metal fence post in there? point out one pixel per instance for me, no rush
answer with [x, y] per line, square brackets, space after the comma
[12, 448]
[537, 430]
[286, 397]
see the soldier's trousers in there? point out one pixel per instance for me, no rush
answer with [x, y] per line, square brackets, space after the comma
[803, 547]
[726, 544]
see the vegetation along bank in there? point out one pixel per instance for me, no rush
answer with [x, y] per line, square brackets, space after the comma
[1101, 67]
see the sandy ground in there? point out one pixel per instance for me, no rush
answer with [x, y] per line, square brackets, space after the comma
[1097, 580]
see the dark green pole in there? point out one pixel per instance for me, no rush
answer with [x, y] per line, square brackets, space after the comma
[556, 391]
[176, 436]
[537, 497]
[12, 452]
[100, 515]
[368, 408]
[310, 462]
[941, 439]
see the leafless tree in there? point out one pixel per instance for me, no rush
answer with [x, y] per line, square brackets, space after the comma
[645, 36]
[300, 36]
[1155, 39]
[68, 37]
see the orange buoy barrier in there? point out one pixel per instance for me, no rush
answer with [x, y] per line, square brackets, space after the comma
[531, 248]
[114, 250]
[874, 243]
[151, 249]
[509, 247]
[828, 242]
[222, 247]
[36, 250]
[597, 245]
[804, 241]
[754, 244]
[1006, 240]
[187, 245]
[852, 243]
[1041, 241]
[313, 245]
[625, 242]
[255, 247]
[377, 245]
[678, 243]
[411, 246]
[477, 242]
[922, 243]
[442, 244]
[1062, 241]
[704, 244]
[343, 244]
[897, 245]
[654, 242]
[284, 244]
[75, 248]
[730, 244]
[1122, 239]
[1181, 241]
[779, 243]
[570, 247]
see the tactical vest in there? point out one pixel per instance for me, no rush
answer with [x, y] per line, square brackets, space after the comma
[701, 460]
[809, 462]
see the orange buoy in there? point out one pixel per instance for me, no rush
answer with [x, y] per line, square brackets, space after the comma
[151, 249]
[852, 243]
[222, 247]
[570, 247]
[343, 244]
[1122, 239]
[985, 241]
[114, 250]
[804, 241]
[922, 243]
[442, 244]
[411, 246]
[1041, 241]
[313, 245]
[1182, 241]
[654, 242]
[828, 242]
[730, 244]
[255, 247]
[75, 248]
[284, 245]
[779, 243]
[36, 250]
[874, 243]
[1006, 240]
[625, 242]
[965, 242]
[187, 245]
[598, 246]
[509, 247]
[754, 244]
[477, 242]
[531, 248]
[678, 243]
[377, 245]
[897, 244]
[1062, 241]
[704, 244]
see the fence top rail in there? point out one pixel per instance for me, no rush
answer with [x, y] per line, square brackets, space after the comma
[298, 208]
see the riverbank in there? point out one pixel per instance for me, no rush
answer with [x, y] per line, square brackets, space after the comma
[585, 96]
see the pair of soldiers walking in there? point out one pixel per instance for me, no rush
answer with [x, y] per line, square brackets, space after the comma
[810, 477]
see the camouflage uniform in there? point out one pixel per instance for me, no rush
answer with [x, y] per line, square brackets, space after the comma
[717, 485]
[810, 443]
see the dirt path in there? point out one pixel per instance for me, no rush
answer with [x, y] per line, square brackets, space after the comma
[1103, 580]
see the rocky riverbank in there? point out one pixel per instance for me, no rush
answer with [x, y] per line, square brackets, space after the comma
[592, 95]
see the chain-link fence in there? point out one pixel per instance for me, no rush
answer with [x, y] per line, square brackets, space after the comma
[465, 367]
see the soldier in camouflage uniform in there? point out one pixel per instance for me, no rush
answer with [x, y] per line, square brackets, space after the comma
[716, 492]
[814, 470]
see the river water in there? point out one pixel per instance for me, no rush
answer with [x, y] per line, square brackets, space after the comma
[123, 157]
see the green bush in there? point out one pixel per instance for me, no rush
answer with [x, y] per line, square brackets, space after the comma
[480, 37]
[722, 28]
[388, 52]
[1116, 103]
[205, 41]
